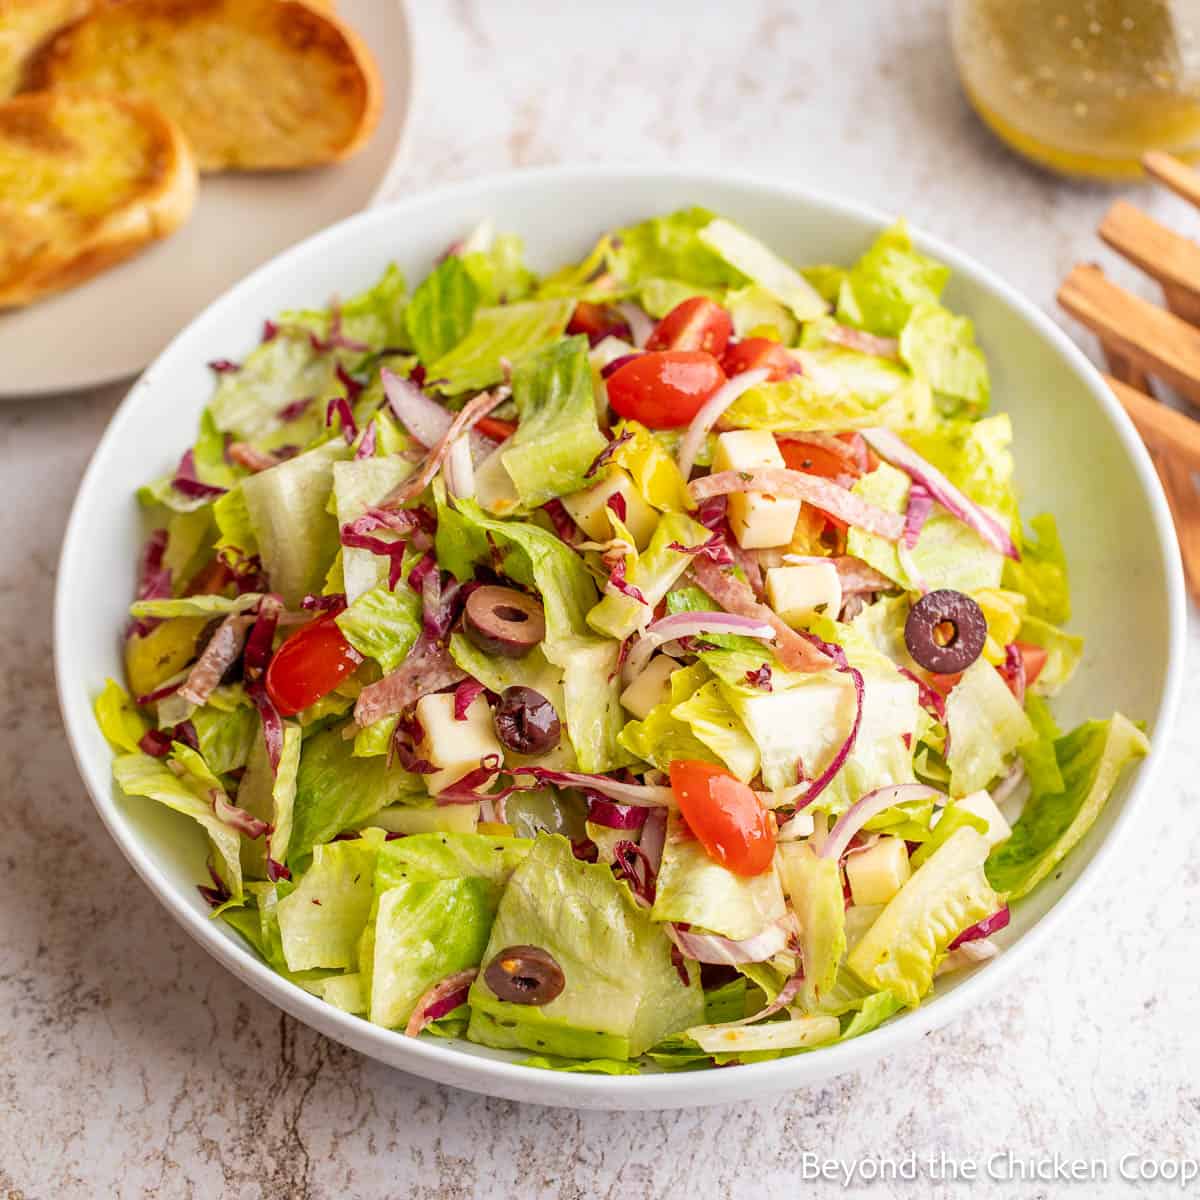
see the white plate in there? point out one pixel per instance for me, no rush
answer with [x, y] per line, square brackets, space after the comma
[110, 327]
[1076, 453]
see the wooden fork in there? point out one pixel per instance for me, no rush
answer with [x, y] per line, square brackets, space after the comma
[1143, 342]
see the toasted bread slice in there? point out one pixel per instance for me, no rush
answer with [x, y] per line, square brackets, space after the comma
[85, 181]
[24, 25]
[254, 84]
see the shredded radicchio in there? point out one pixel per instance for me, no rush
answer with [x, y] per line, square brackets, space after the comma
[920, 505]
[333, 603]
[618, 582]
[631, 864]
[760, 678]
[464, 696]
[270, 331]
[339, 406]
[442, 998]
[931, 700]
[441, 600]
[615, 816]
[272, 722]
[359, 535]
[189, 483]
[715, 548]
[605, 456]
[611, 368]
[366, 448]
[406, 737]
[258, 645]
[224, 366]
[276, 870]
[353, 387]
[218, 893]
[711, 513]
[981, 929]
[616, 504]
[297, 408]
[564, 524]
[1012, 670]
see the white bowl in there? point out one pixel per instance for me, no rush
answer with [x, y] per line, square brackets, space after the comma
[1076, 454]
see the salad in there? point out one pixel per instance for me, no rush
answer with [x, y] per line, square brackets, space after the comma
[643, 666]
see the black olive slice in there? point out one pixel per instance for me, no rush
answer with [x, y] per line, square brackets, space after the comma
[945, 631]
[526, 721]
[501, 620]
[524, 975]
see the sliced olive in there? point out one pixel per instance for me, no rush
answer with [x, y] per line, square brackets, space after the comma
[501, 620]
[945, 631]
[526, 721]
[524, 975]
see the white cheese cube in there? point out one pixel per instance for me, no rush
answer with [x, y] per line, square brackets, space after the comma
[797, 594]
[589, 509]
[878, 873]
[651, 687]
[758, 520]
[980, 804]
[455, 746]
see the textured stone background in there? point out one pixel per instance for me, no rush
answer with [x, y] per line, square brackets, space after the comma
[132, 1065]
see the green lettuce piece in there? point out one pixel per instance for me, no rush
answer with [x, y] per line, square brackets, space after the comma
[283, 792]
[322, 919]
[424, 932]
[953, 817]
[670, 247]
[654, 471]
[194, 606]
[762, 266]
[141, 775]
[336, 791]
[976, 456]
[248, 403]
[948, 554]
[375, 316]
[344, 992]
[1041, 575]
[622, 993]
[442, 309]
[458, 543]
[449, 856]
[708, 715]
[208, 453]
[987, 726]
[1063, 653]
[882, 288]
[826, 279]
[940, 348]
[499, 270]
[497, 673]
[590, 1066]
[591, 687]
[236, 540]
[376, 738]
[409, 819]
[1090, 759]
[876, 1009]
[288, 508]
[754, 309]
[653, 574]
[509, 331]
[118, 717]
[851, 391]
[659, 296]
[814, 886]
[1041, 762]
[225, 737]
[690, 598]
[190, 538]
[557, 436]
[901, 950]
[694, 888]
[357, 486]
[382, 624]
[662, 737]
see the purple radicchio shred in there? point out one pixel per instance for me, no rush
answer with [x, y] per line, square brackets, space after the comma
[616, 502]
[155, 743]
[257, 653]
[276, 870]
[188, 483]
[563, 522]
[619, 583]
[339, 406]
[218, 893]
[611, 815]
[920, 505]
[711, 513]
[605, 456]
[366, 448]
[272, 722]
[611, 368]
[631, 864]
[406, 737]
[224, 366]
[333, 603]
[931, 700]
[297, 408]
[465, 695]
[586, 850]
[270, 331]
[154, 579]
[715, 548]
[760, 678]
[680, 966]
[353, 388]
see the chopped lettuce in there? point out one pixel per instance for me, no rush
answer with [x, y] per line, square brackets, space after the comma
[383, 624]
[711, 720]
[1041, 575]
[757, 313]
[118, 717]
[225, 736]
[557, 436]
[881, 290]
[940, 348]
[357, 486]
[814, 886]
[498, 268]
[671, 247]
[1063, 653]
[442, 309]
[622, 993]
[1039, 757]
[948, 894]
[1090, 760]
[496, 672]
[374, 316]
[449, 856]
[763, 267]
[987, 726]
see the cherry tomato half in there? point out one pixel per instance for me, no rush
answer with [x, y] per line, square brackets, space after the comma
[752, 353]
[495, 428]
[596, 322]
[815, 460]
[733, 827]
[1035, 660]
[696, 324]
[664, 389]
[309, 665]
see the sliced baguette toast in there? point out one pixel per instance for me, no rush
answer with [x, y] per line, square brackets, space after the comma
[86, 180]
[254, 84]
[24, 25]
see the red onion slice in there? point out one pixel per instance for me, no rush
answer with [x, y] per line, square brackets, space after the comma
[442, 998]
[690, 624]
[640, 324]
[871, 805]
[863, 342]
[812, 489]
[892, 448]
[711, 411]
[421, 415]
[654, 837]
[981, 929]
[723, 951]
[237, 818]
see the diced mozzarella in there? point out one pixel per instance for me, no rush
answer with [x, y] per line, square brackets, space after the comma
[878, 873]
[758, 520]
[590, 511]
[457, 747]
[651, 687]
[797, 594]
[980, 804]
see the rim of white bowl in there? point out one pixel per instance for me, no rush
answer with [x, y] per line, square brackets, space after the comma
[446, 1063]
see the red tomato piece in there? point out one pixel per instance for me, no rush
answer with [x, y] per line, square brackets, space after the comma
[725, 815]
[815, 460]
[696, 324]
[596, 322]
[944, 683]
[1035, 660]
[495, 428]
[752, 353]
[664, 389]
[309, 665]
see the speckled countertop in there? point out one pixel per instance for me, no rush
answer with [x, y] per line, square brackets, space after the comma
[133, 1065]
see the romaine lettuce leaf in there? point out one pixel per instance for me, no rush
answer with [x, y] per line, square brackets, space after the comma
[375, 316]
[357, 486]
[662, 737]
[449, 856]
[557, 436]
[1041, 762]
[708, 715]
[442, 309]
[764, 267]
[882, 288]
[118, 717]
[987, 726]
[659, 296]
[225, 737]
[1042, 572]
[901, 950]
[940, 348]
[497, 673]
[670, 247]
[757, 313]
[622, 992]
[499, 270]
[1063, 653]
[1090, 759]
[382, 624]
[814, 886]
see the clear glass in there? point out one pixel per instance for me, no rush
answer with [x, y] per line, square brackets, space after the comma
[1084, 87]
